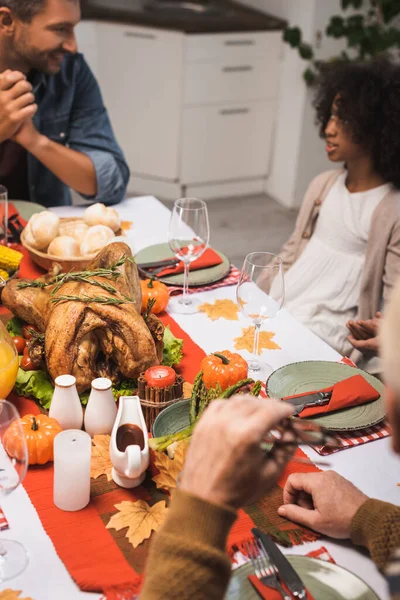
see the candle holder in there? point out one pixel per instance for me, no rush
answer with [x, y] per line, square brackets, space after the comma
[155, 399]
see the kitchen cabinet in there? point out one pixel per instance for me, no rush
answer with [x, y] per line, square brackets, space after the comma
[194, 109]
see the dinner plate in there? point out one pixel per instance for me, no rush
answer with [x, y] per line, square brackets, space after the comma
[196, 278]
[27, 209]
[324, 580]
[308, 376]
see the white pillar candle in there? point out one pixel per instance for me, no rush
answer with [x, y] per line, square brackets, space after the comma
[66, 405]
[72, 453]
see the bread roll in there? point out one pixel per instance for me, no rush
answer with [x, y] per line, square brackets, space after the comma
[64, 246]
[75, 229]
[95, 239]
[44, 228]
[28, 237]
[98, 214]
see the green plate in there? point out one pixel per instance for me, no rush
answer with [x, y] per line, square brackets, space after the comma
[196, 278]
[308, 376]
[324, 580]
[27, 209]
[172, 419]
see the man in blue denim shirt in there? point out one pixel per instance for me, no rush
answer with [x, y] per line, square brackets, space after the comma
[55, 133]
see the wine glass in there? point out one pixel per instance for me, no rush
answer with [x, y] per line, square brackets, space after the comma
[260, 294]
[188, 237]
[13, 467]
[8, 362]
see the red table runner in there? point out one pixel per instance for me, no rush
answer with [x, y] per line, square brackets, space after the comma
[103, 560]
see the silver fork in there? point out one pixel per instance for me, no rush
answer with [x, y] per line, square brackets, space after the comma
[263, 567]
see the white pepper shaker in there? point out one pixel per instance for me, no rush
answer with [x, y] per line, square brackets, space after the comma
[101, 410]
[66, 405]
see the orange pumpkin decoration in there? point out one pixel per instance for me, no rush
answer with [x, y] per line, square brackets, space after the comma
[225, 368]
[154, 290]
[39, 431]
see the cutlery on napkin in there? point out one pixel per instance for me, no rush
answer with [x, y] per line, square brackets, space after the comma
[350, 392]
[209, 258]
[288, 577]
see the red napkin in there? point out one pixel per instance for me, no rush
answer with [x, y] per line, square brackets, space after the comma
[208, 259]
[268, 593]
[349, 392]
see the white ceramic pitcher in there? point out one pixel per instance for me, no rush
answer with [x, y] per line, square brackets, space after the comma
[129, 445]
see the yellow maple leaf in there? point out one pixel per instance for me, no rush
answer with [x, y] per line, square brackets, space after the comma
[12, 595]
[221, 309]
[101, 462]
[126, 225]
[140, 519]
[169, 469]
[246, 340]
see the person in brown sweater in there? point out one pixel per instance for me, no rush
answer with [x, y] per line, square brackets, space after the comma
[225, 469]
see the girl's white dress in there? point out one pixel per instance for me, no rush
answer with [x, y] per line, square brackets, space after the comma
[323, 285]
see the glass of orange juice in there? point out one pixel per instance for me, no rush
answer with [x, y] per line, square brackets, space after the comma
[8, 362]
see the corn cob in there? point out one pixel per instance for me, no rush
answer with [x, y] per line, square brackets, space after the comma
[9, 259]
[4, 274]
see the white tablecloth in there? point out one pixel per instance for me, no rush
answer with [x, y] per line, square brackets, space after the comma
[372, 467]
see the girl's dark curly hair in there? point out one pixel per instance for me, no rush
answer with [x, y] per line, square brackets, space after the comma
[368, 102]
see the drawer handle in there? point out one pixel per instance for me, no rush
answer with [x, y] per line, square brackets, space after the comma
[238, 69]
[143, 36]
[240, 43]
[234, 111]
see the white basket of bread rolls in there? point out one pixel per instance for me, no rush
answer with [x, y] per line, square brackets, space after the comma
[71, 243]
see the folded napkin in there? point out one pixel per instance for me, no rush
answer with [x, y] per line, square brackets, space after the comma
[209, 258]
[3, 521]
[345, 394]
[269, 593]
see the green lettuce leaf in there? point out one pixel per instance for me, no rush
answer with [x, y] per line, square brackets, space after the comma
[35, 384]
[173, 352]
[14, 326]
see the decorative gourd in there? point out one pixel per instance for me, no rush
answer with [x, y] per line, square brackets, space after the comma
[39, 431]
[225, 368]
[154, 290]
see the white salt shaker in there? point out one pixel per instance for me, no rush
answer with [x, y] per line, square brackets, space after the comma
[101, 410]
[66, 405]
[72, 455]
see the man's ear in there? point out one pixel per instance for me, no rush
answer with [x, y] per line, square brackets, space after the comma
[393, 413]
[7, 21]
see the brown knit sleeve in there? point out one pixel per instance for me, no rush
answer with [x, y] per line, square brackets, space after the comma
[187, 560]
[376, 525]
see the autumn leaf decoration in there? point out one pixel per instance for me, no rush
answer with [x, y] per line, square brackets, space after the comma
[169, 469]
[139, 518]
[12, 595]
[221, 309]
[101, 462]
[246, 340]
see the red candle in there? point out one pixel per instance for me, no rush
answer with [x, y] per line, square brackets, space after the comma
[160, 376]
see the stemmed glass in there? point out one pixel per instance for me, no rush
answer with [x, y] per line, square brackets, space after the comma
[260, 294]
[8, 362]
[13, 467]
[188, 237]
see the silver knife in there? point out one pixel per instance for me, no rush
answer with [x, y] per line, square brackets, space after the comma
[302, 402]
[285, 570]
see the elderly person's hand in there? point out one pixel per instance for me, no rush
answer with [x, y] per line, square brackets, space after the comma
[325, 502]
[225, 464]
[364, 334]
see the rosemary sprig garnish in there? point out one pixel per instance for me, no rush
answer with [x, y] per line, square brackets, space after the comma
[150, 303]
[92, 299]
[81, 276]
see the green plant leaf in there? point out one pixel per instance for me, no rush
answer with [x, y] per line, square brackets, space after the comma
[292, 35]
[306, 51]
[309, 76]
[336, 27]
[351, 3]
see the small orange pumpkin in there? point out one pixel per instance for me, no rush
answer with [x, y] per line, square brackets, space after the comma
[225, 368]
[39, 431]
[154, 290]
